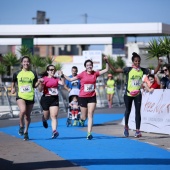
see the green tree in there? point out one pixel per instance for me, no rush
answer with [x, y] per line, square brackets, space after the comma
[37, 62]
[10, 60]
[119, 62]
[159, 48]
[154, 49]
[2, 71]
[58, 66]
[165, 46]
[49, 60]
[24, 51]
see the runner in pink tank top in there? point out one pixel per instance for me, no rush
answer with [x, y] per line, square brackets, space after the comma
[87, 96]
[49, 100]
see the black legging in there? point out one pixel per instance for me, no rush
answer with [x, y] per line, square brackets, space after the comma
[128, 103]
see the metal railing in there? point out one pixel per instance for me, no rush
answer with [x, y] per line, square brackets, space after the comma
[8, 100]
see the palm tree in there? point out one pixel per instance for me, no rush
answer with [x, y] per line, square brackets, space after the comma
[24, 51]
[154, 49]
[58, 66]
[2, 71]
[37, 62]
[119, 62]
[49, 60]
[165, 46]
[10, 60]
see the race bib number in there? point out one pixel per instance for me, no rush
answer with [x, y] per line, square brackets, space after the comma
[110, 89]
[52, 91]
[89, 87]
[25, 89]
[136, 83]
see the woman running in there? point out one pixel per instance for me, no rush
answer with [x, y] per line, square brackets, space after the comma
[110, 86]
[49, 100]
[87, 96]
[25, 80]
[134, 76]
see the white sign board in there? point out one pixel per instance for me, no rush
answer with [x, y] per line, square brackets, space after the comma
[155, 112]
[95, 56]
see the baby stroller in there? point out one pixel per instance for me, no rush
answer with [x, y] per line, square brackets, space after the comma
[73, 93]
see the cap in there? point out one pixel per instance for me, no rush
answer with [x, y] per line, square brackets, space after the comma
[110, 75]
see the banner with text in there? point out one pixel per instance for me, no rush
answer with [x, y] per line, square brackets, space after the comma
[96, 57]
[155, 112]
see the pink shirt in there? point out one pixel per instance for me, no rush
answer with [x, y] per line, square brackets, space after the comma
[88, 83]
[50, 86]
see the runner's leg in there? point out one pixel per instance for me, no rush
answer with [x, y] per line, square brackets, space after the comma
[91, 108]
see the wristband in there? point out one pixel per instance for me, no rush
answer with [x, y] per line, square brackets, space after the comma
[62, 76]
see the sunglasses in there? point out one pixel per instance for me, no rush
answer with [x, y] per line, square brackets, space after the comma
[165, 70]
[51, 69]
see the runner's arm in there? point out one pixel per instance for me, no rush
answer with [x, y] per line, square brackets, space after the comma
[41, 85]
[158, 66]
[70, 78]
[66, 86]
[119, 70]
[104, 70]
[13, 88]
[61, 81]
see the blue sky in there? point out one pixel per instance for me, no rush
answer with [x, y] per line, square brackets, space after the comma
[98, 11]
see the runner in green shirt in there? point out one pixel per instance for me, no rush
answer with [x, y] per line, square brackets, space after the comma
[110, 89]
[24, 81]
[134, 76]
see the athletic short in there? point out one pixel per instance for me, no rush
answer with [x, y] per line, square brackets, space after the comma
[27, 102]
[48, 101]
[83, 101]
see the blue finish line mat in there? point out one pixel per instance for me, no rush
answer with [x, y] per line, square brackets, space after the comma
[102, 152]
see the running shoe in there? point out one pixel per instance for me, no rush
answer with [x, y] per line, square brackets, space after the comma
[45, 124]
[138, 134]
[55, 134]
[26, 137]
[21, 131]
[81, 122]
[126, 132]
[75, 123]
[89, 137]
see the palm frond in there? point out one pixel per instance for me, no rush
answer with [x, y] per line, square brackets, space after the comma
[24, 51]
[10, 59]
[2, 68]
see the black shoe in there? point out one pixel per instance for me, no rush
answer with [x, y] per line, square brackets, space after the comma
[45, 124]
[26, 137]
[89, 137]
[55, 134]
[21, 131]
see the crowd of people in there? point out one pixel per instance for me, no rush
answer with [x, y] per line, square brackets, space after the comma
[137, 78]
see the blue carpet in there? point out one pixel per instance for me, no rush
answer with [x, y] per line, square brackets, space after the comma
[103, 152]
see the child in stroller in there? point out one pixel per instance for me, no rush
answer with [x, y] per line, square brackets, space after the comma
[74, 109]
